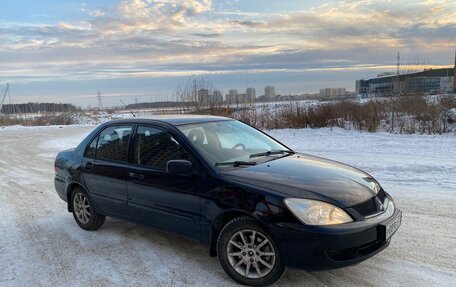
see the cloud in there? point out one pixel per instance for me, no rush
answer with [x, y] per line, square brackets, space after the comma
[250, 24]
[90, 12]
[207, 35]
[152, 38]
[96, 13]
[160, 14]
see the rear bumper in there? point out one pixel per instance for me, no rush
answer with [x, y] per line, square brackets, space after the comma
[61, 187]
[320, 248]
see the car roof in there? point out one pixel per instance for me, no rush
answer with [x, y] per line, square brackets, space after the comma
[175, 120]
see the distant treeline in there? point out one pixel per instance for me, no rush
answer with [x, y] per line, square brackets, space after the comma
[37, 108]
[167, 104]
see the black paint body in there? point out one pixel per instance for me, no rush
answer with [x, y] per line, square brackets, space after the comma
[199, 204]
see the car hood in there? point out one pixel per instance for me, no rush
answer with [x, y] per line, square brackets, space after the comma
[306, 176]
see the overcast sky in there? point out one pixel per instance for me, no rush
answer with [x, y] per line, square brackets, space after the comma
[64, 51]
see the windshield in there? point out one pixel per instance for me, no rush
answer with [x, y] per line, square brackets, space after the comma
[225, 142]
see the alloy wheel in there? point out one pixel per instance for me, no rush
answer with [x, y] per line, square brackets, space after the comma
[251, 253]
[81, 208]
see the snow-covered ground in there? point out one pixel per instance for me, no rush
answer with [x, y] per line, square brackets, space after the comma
[41, 245]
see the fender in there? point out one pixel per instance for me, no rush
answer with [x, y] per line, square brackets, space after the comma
[70, 188]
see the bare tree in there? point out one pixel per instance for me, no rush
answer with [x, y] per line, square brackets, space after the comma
[197, 96]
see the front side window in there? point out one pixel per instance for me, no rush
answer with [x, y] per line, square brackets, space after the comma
[155, 147]
[91, 149]
[113, 143]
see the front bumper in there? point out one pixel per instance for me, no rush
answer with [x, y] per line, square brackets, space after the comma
[326, 247]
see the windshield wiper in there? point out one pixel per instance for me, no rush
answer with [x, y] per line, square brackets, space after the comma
[236, 163]
[267, 153]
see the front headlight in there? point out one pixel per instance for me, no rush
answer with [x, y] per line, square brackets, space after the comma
[389, 209]
[314, 212]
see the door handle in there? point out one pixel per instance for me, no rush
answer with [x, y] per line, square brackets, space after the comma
[88, 166]
[136, 175]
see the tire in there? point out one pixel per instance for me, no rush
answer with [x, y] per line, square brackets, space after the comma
[83, 210]
[256, 263]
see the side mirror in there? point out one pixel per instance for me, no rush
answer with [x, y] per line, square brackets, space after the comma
[179, 166]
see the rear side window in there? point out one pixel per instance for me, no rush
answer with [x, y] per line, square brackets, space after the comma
[91, 149]
[113, 143]
[154, 148]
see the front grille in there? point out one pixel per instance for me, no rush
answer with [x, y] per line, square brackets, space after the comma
[371, 205]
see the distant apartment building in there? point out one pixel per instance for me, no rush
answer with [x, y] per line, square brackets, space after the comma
[241, 98]
[333, 92]
[205, 98]
[217, 93]
[251, 94]
[217, 97]
[340, 92]
[234, 98]
[269, 92]
[231, 97]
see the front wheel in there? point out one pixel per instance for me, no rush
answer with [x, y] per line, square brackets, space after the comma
[248, 254]
[83, 211]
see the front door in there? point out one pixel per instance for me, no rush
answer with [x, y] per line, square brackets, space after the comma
[155, 197]
[105, 170]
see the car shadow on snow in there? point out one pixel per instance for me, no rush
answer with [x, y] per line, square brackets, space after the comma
[171, 259]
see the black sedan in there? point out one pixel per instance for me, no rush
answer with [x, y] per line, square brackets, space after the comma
[259, 205]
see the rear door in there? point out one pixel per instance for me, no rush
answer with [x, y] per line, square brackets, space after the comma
[105, 169]
[155, 197]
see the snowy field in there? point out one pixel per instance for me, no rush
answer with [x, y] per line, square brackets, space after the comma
[41, 245]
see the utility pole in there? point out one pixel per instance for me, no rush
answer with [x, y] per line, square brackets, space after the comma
[100, 104]
[398, 64]
[397, 89]
[4, 97]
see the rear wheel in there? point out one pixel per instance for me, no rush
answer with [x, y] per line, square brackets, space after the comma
[83, 211]
[248, 253]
